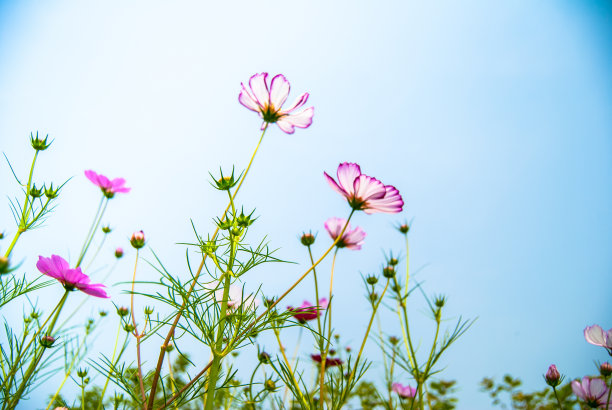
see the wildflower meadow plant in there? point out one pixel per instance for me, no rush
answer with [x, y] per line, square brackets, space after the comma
[208, 303]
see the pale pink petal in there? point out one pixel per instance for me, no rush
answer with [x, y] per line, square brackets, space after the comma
[577, 389]
[279, 91]
[367, 188]
[259, 87]
[285, 125]
[595, 335]
[347, 173]
[597, 388]
[245, 98]
[334, 185]
[301, 100]
[392, 202]
[334, 226]
[301, 120]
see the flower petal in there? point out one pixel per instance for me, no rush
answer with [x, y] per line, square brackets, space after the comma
[53, 266]
[96, 289]
[92, 176]
[301, 100]
[301, 120]
[391, 203]
[347, 174]
[595, 335]
[245, 98]
[279, 91]
[259, 88]
[367, 188]
[335, 186]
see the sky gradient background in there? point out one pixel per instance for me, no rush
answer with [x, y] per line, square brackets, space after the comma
[493, 119]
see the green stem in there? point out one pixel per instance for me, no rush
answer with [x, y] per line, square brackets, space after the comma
[329, 330]
[92, 230]
[109, 370]
[559, 401]
[160, 359]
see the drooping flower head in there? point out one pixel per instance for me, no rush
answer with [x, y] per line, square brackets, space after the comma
[109, 187]
[405, 392]
[329, 361]
[351, 239]
[365, 193]
[267, 101]
[595, 335]
[57, 268]
[592, 390]
[307, 311]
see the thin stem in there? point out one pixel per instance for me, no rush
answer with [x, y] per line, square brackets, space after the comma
[276, 302]
[136, 334]
[24, 213]
[329, 330]
[179, 314]
[172, 381]
[113, 363]
[314, 274]
[559, 401]
[609, 393]
[92, 230]
[282, 349]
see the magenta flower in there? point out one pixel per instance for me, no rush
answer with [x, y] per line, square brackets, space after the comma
[552, 376]
[109, 187]
[307, 311]
[405, 392]
[592, 390]
[351, 239]
[595, 335]
[267, 102]
[57, 268]
[365, 193]
[329, 361]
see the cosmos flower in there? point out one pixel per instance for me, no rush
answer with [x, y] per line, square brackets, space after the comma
[405, 392]
[595, 335]
[552, 376]
[268, 101]
[351, 239]
[57, 268]
[109, 187]
[365, 193]
[307, 311]
[592, 390]
[329, 361]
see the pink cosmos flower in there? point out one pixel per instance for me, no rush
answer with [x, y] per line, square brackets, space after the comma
[109, 187]
[592, 390]
[365, 193]
[405, 392]
[552, 376]
[57, 268]
[307, 311]
[267, 102]
[595, 335]
[351, 239]
[329, 361]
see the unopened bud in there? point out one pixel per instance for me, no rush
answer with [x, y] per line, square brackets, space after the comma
[128, 327]
[82, 372]
[47, 341]
[373, 297]
[393, 261]
[552, 376]
[119, 253]
[39, 144]
[122, 311]
[270, 385]
[388, 272]
[138, 239]
[168, 348]
[393, 340]
[106, 229]
[103, 313]
[403, 228]
[1, 235]
[372, 280]
[149, 310]
[605, 369]
[36, 193]
[4, 265]
[307, 239]
[264, 358]
[51, 193]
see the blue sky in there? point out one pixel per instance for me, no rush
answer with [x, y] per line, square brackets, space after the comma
[493, 119]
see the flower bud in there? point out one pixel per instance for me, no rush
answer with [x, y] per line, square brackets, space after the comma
[1, 235]
[51, 193]
[244, 221]
[119, 253]
[552, 376]
[403, 228]
[332, 352]
[122, 311]
[270, 385]
[38, 144]
[128, 327]
[605, 369]
[138, 239]
[34, 314]
[373, 297]
[307, 239]
[372, 280]
[224, 224]
[47, 341]
[168, 348]
[393, 340]
[4, 265]
[226, 183]
[440, 301]
[209, 247]
[268, 302]
[103, 313]
[36, 193]
[237, 231]
[388, 272]
[149, 310]
[264, 358]
[393, 261]
[82, 372]
[106, 229]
